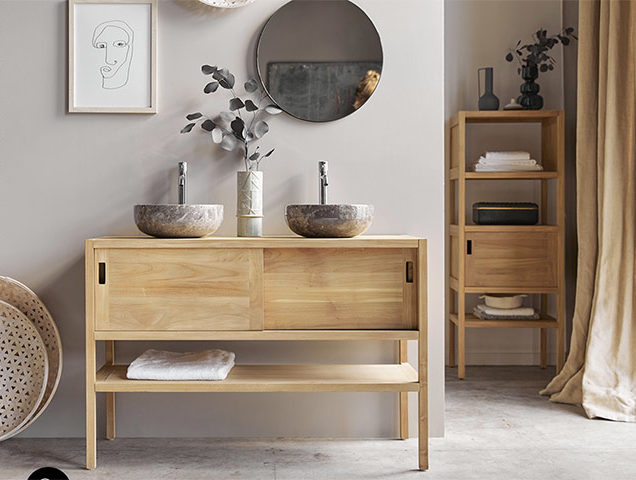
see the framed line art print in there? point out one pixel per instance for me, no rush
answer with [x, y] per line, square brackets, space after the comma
[112, 56]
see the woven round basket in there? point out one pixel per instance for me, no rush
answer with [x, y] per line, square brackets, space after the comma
[227, 3]
[23, 370]
[22, 298]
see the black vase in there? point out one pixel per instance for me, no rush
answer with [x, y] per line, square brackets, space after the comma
[530, 98]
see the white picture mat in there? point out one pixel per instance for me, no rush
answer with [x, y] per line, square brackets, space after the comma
[88, 91]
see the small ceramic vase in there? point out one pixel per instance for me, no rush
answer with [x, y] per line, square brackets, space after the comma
[249, 204]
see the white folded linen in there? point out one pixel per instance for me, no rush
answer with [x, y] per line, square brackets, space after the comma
[506, 312]
[160, 365]
[478, 167]
[497, 161]
[507, 155]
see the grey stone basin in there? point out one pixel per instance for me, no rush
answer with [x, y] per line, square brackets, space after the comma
[329, 221]
[178, 221]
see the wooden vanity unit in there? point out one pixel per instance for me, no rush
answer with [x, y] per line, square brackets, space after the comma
[271, 288]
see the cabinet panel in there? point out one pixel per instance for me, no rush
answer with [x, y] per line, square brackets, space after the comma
[179, 289]
[519, 259]
[339, 288]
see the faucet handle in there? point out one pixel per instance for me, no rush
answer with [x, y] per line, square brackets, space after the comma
[183, 168]
[322, 167]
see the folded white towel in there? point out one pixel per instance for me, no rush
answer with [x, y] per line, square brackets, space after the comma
[478, 167]
[497, 161]
[506, 312]
[161, 365]
[507, 155]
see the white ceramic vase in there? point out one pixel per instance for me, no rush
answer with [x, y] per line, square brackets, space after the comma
[249, 204]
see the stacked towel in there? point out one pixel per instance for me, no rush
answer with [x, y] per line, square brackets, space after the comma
[506, 162]
[160, 365]
[489, 313]
[507, 156]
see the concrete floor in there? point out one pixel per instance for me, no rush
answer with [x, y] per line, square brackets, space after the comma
[497, 428]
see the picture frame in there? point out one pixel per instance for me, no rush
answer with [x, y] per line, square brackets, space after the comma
[112, 56]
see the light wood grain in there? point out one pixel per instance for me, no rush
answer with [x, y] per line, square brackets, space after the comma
[339, 288]
[422, 353]
[275, 378]
[283, 241]
[109, 358]
[504, 259]
[509, 116]
[471, 321]
[510, 175]
[171, 276]
[91, 407]
[403, 357]
[182, 289]
[288, 335]
[559, 128]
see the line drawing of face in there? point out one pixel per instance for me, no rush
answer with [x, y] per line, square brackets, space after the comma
[115, 38]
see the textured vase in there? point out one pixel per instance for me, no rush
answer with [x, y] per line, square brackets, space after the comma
[530, 98]
[249, 204]
[487, 100]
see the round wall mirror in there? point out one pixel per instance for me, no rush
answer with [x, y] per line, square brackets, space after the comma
[319, 60]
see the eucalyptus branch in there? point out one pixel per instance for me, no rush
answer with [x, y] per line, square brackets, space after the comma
[239, 132]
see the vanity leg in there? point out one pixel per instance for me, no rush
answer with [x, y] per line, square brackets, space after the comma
[110, 396]
[404, 396]
[422, 356]
[91, 371]
[452, 358]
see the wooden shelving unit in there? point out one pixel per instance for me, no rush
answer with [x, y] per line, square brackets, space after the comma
[506, 259]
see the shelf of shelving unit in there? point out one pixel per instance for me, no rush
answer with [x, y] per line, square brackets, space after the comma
[515, 242]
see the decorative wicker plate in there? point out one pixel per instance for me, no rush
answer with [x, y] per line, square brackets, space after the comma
[227, 3]
[23, 370]
[21, 297]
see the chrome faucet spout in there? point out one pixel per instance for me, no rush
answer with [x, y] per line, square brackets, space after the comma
[323, 182]
[183, 177]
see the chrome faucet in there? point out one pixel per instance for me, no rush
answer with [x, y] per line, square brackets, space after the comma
[324, 181]
[183, 172]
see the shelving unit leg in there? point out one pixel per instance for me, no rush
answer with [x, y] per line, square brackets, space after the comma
[403, 396]
[544, 348]
[452, 360]
[110, 396]
[461, 336]
[560, 331]
[452, 357]
[544, 310]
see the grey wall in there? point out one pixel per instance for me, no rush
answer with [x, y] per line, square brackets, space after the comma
[478, 34]
[65, 178]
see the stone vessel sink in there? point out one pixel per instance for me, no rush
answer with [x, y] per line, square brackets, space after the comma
[329, 221]
[178, 221]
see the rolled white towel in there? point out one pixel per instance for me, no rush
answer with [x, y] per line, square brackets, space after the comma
[507, 155]
[161, 365]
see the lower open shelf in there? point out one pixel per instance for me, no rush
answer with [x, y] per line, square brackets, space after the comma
[474, 322]
[275, 378]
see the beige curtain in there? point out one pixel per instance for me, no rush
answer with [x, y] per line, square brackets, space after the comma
[600, 372]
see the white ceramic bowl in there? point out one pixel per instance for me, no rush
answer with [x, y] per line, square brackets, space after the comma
[503, 301]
